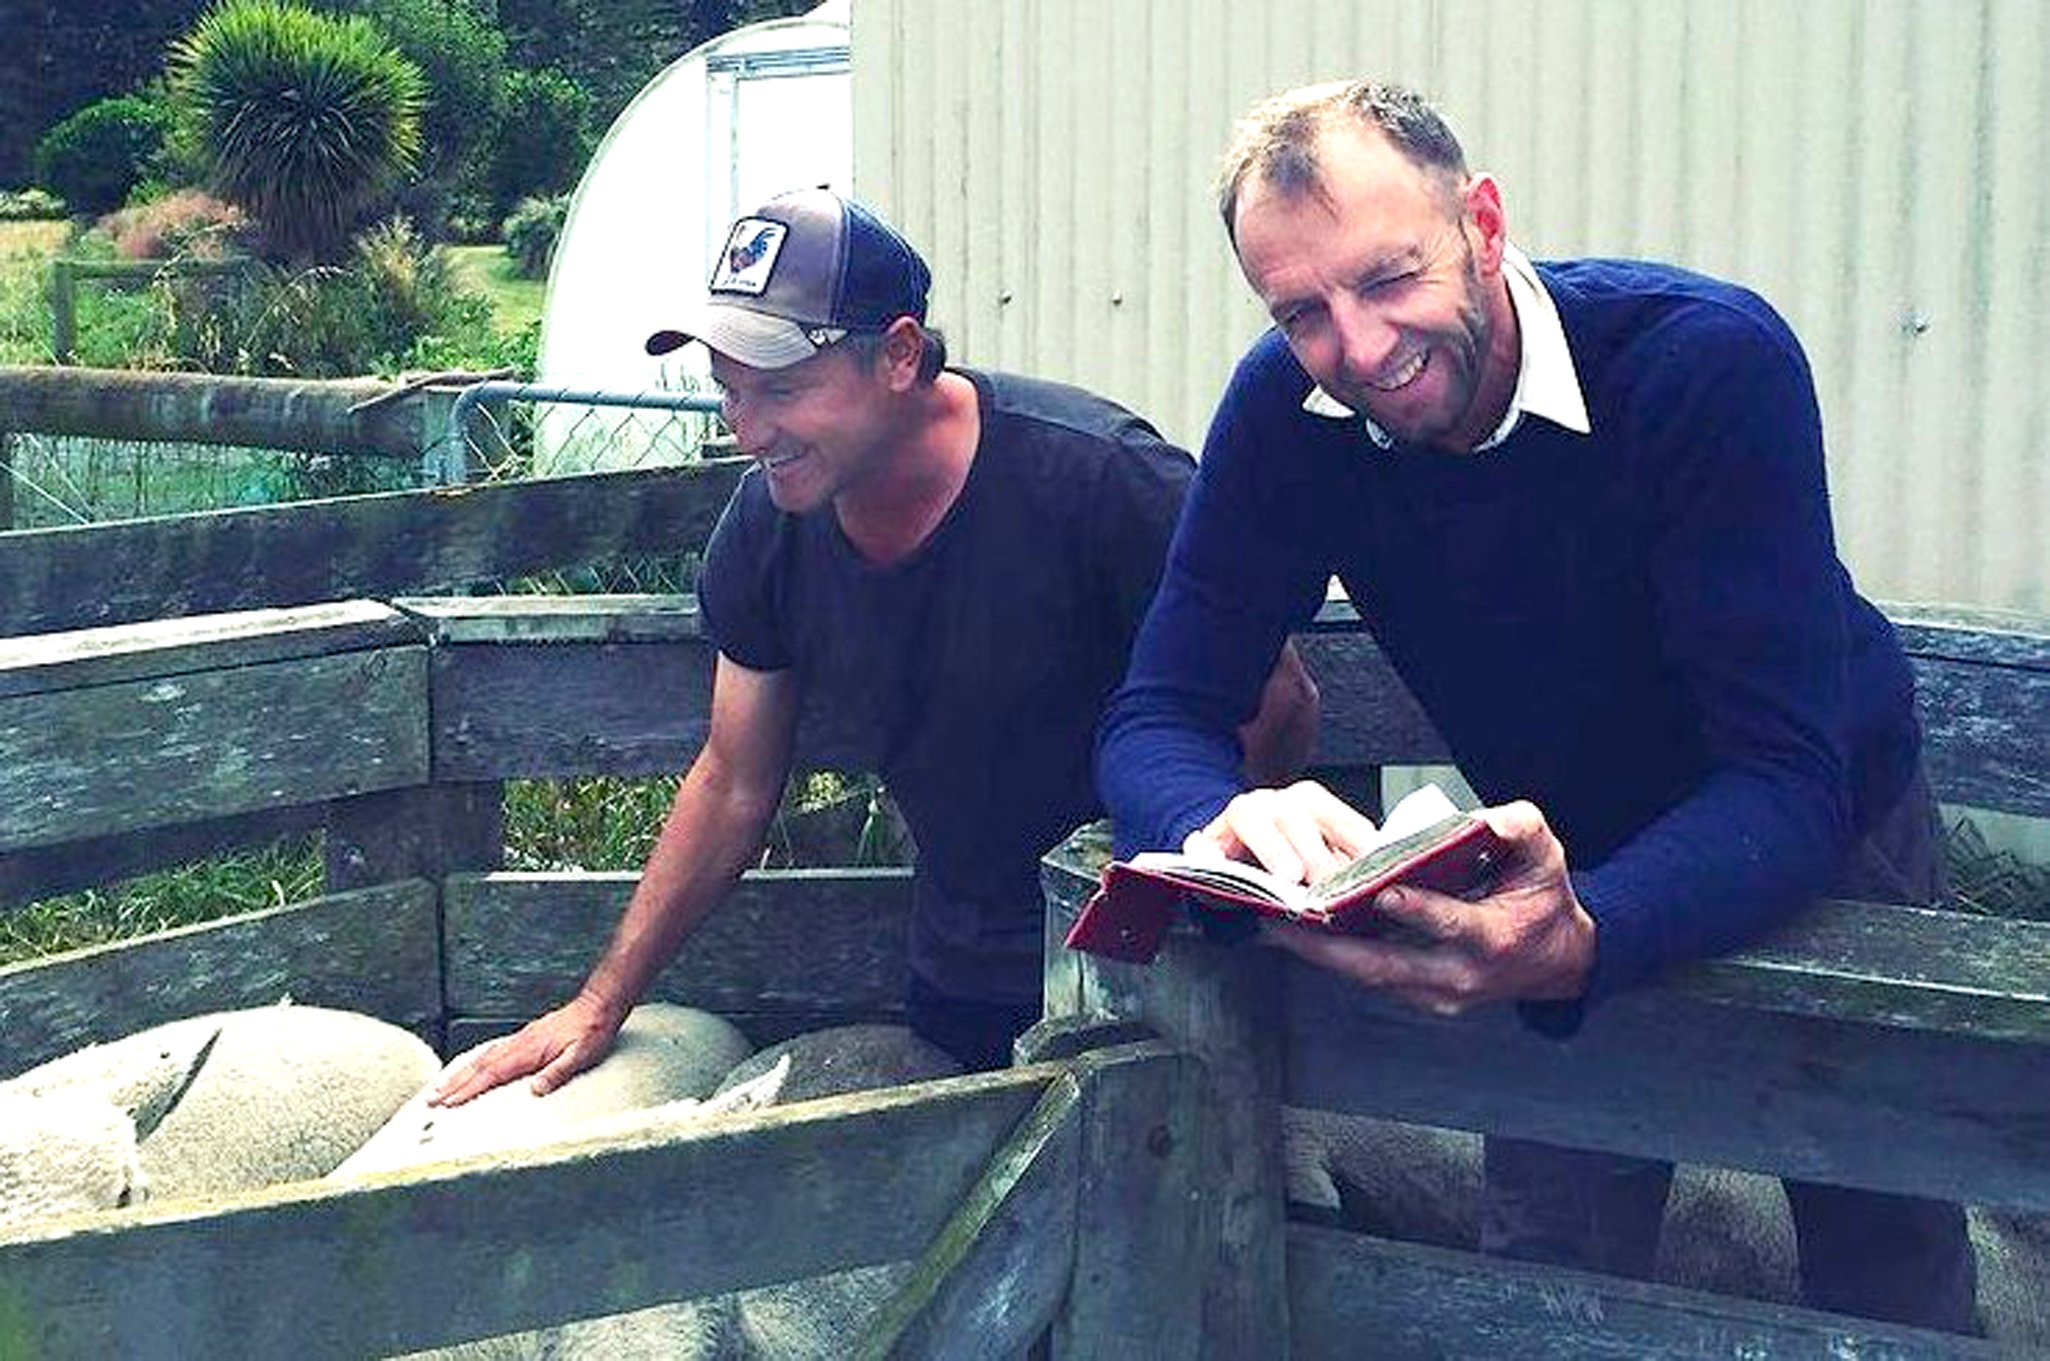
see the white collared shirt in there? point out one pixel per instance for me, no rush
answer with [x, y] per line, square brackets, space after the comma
[1546, 383]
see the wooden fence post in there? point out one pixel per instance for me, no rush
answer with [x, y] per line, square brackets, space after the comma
[423, 832]
[426, 832]
[1224, 1006]
[63, 310]
[6, 481]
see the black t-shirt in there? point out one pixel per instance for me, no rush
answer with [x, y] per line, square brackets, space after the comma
[970, 675]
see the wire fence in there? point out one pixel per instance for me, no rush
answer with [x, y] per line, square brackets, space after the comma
[501, 430]
[495, 432]
[60, 480]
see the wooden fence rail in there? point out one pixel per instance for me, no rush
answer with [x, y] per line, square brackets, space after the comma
[344, 417]
[1036, 1155]
[395, 543]
[394, 726]
[66, 274]
[1892, 1048]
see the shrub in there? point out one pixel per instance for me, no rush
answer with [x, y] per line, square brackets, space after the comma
[463, 348]
[305, 118]
[30, 205]
[545, 138]
[531, 232]
[471, 221]
[187, 222]
[323, 321]
[97, 154]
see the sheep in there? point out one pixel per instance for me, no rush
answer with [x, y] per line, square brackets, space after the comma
[287, 1093]
[1724, 1231]
[69, 1129]
[799, 1319]
[63, 1153]
[664, 1054]
[223, 1102]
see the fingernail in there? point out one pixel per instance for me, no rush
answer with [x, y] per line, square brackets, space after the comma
[1393, 899]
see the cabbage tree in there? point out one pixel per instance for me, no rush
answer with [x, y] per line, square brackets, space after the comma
[305, 120]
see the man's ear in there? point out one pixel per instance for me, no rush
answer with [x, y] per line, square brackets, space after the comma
[903, 349]
[1488, 227]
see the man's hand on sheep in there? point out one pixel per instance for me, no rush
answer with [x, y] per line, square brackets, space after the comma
[553, 1048]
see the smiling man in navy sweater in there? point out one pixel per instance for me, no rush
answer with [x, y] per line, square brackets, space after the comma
[1582, 507]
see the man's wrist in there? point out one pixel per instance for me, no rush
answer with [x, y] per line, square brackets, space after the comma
[609, 1004]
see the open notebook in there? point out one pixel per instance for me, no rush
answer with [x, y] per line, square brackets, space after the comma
[1425, 841]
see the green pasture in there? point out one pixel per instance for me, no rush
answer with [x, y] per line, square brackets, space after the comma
[515, 302]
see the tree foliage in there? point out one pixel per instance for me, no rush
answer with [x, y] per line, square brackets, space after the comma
[62, 55]
[305, 119]
[461, 52]
[544, 140]
[614, 47]
[94, 157]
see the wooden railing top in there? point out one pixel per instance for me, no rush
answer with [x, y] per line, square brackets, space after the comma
[345, 416]
[390, 544]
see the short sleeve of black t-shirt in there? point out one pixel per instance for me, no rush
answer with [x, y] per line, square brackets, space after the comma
[970, 676]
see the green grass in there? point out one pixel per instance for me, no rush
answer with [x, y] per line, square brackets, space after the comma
[515, 302]
[287, 872]
[41, 239]
[590, 824]
[25, 250]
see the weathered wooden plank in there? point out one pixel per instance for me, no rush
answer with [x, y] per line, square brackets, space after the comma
[556, 618]
[996, 1270]
[37, 872]
[1418, 1301]
[1969, 634]
[1659, 1073]
[1786, 1061]
[1140, 1244]
[434, 1256]
[556, 705]
[786, 940]
[1369, 716]
[375, 951]
[378, 546]
[503, 711]
[1225, 1009]
[144, 753]
[210, 642]
[6, 481]
[1892, 966]
[1983, 731]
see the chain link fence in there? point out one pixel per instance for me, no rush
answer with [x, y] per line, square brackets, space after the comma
[505, 431]
[494, 431]
[60, 480]
[502, 430]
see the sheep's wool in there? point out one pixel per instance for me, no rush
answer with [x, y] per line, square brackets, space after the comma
[63, 1152]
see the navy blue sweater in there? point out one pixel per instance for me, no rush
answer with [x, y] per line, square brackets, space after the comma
[1645, 631]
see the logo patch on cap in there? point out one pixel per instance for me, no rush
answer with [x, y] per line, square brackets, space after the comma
[750, 257]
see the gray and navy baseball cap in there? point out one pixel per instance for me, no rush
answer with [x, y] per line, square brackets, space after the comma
[799, 273]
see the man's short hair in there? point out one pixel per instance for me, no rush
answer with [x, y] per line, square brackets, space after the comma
[866, 346]
[1276, 142]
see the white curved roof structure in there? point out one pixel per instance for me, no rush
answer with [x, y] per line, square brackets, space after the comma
[749, 114]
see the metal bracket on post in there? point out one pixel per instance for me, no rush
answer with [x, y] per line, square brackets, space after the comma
[447, 460]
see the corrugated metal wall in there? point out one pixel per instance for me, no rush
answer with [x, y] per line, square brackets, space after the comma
[1880, 169]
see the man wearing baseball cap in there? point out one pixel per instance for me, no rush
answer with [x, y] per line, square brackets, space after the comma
[950, 564]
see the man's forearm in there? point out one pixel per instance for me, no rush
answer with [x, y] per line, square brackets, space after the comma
[713, 830]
